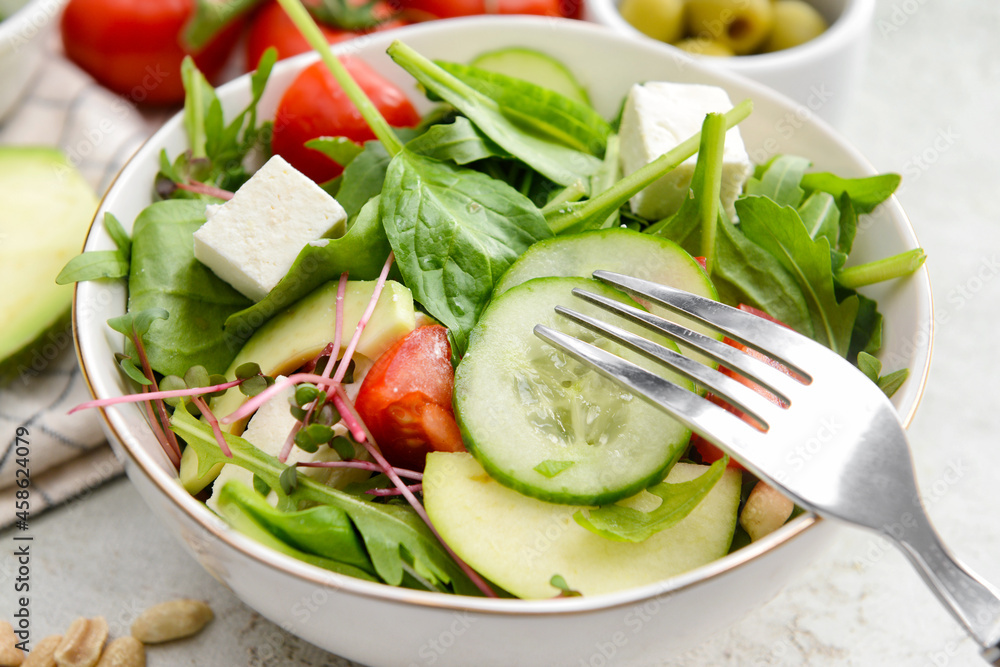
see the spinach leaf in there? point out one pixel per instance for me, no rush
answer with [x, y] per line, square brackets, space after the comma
[454, 232]
[458, 141]
[780, 180]
[779, 230]
[554, 115]
[321, 530]
[625, 524]
[361, 251]
[552, 158]
[866, 193]
[394, 536]
[339, 149]
[362, 178]
[165, 274]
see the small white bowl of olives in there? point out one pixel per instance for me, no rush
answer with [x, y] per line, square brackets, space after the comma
[810, 50]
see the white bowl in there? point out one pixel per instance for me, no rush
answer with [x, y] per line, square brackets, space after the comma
[379, 625]
[821, 74]
[22, 44]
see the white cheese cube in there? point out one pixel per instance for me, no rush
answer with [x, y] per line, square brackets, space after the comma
[659, 115]
[267, 431]
[252, 240]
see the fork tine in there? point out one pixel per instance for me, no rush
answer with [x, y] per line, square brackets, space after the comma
[778, 342]
[714, 423]
[772, 379]
[735, 393]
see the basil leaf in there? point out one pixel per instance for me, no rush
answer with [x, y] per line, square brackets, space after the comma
[454, 232]
[625, 524]
[165, 275]
[546, 155]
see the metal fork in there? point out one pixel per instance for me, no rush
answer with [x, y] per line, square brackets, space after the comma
[836, 445]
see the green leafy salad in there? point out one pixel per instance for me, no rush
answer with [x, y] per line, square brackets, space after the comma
[382, 408]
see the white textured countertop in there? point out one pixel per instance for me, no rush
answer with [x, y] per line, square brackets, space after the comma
[929, 108]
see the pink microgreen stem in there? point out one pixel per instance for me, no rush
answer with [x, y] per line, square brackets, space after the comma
[263, 397]
[404, 491]
[415, 488]
[360, 465]
[155, 396]
[342, 403]
[205, 189]
[169, 445]
[166, 437]
[363, 322]
[214, 423]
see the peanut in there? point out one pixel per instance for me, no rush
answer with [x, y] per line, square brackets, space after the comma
[44, 653]
[10, 655]
[124, 652]
[83, 642]
[171, 620]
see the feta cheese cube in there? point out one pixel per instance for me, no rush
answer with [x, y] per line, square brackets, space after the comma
[659, 115]
[252, 240]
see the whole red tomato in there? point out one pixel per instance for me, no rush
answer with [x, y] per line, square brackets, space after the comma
[133, 46]
[316, 106]
[272, 27]
[405, 399]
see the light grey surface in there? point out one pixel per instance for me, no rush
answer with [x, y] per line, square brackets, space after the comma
[928, 109]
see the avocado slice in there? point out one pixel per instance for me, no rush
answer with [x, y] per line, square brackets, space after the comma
[519, 543]
[291, 338]
[48, 207]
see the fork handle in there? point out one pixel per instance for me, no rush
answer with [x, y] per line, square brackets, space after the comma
[971, 600]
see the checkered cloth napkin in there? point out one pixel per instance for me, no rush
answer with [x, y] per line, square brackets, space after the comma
[98, 131]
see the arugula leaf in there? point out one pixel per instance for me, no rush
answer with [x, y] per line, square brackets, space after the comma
[866, 193]
[458, 141]
[779, 230]
[780, 180]
[872, 368]
[98, 264]
[820, 215]
[867, 333]
[454, 232]
[209, 18]
[165, 275]
[361, 251]
[394, 535]
[625, 524]
[550, 157]
[553, 115]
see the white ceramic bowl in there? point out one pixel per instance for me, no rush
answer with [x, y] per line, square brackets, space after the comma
[820, 75]
[380, 625]
[22, 44]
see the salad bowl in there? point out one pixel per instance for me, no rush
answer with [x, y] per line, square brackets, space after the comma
[380, 625]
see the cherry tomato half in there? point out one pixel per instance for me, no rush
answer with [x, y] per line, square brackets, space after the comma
[710, 453]
[316, 106]
[133, 46]
[405, 400]
[272, 27]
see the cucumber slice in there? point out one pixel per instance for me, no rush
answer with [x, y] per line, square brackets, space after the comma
[536, 67]
[624, 251]
[548, 426]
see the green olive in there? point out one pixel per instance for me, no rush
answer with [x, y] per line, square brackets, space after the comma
[741, 25]
[795, 22]
[660, 19]
[704, 47]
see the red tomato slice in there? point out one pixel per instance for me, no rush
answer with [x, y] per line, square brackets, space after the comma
[133, 46]
[272, 27]
[405, 400]
[709, 452]
[316, 106]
